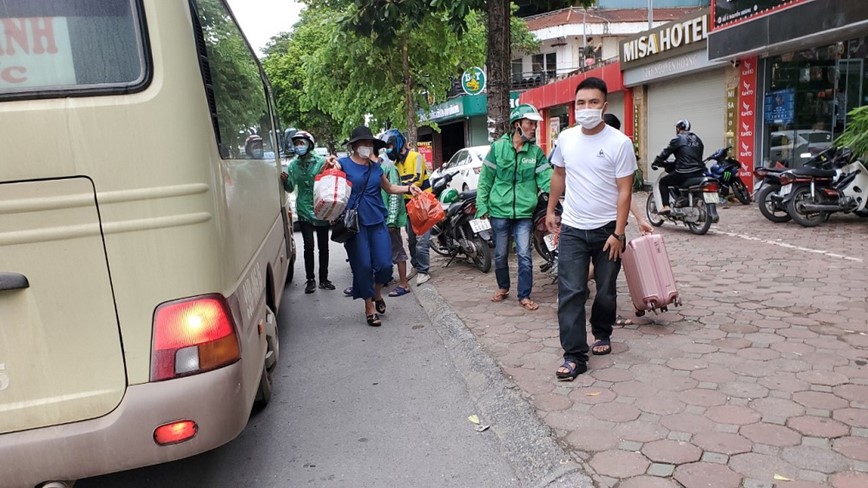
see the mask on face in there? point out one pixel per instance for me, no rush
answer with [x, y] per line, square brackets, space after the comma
[301, 150]
[392, 153]
[589, 118]
[525, 137]
[364, 151]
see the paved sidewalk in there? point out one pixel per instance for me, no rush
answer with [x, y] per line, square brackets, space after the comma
[761, 376]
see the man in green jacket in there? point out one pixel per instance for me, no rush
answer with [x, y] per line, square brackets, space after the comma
[513, 173]
[300, 176]
[395, 221]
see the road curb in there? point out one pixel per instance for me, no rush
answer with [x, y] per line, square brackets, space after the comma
[526, 442]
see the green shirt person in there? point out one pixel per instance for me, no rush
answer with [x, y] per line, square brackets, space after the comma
[299, 177]
[513, 174]
[396, 219]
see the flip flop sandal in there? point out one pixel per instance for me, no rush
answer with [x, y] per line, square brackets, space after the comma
[380, 305]
[529, 304]
[499, 296]
[573, 371]
[374, 320]
[605, 343]
[621, 321]
[399, 291]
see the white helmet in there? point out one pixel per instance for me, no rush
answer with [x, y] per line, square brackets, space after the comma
[304, 135]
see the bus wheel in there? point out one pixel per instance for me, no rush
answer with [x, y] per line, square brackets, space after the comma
[266, 381]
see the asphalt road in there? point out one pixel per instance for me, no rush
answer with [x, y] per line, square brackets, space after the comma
[353, 406]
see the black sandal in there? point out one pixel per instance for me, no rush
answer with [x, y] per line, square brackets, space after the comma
[374, 320]
[573, 371]
[380, 305]
[605, 343]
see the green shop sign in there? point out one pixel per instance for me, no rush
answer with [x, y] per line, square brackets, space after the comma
[460, 107]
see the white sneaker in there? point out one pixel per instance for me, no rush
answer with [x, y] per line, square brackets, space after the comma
[422, 278]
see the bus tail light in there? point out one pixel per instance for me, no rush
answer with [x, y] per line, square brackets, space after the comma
[192, 336]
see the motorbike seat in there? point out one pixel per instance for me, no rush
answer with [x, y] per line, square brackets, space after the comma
[691, 182]
[820, 173]
[467, 195]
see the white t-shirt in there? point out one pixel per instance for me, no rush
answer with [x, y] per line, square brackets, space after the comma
[592, 164]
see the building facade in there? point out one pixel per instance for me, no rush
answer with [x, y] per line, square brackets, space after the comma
[670, 77]
[802, 68]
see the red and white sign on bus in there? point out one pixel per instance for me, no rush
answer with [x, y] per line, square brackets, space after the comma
[35, 52]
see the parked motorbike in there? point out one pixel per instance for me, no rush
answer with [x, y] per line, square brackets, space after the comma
[694, 203]
[811, 195]
[543, 241]
[460, 234]
[725, 169]
[766, 192]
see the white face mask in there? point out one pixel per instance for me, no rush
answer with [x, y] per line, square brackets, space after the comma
[589, 118]
[364, 151]
[527, 137]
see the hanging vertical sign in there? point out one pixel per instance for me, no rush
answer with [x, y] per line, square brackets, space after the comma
[731, 115]
[747, 95]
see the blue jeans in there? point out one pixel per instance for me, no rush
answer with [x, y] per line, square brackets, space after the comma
[419, 250]
[520, 230]
[576, 249]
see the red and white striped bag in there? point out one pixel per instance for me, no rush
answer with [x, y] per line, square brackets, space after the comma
[331, 192]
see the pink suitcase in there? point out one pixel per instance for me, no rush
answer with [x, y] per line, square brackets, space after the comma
[649, 275]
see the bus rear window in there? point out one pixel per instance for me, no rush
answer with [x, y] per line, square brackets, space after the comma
[57, 47]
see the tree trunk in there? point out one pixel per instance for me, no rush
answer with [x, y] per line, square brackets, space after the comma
[499, 57]
[409, 99]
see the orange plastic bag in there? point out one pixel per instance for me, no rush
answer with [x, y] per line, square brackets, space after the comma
[425, 211]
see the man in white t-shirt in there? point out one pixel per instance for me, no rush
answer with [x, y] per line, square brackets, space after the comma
[594, 163]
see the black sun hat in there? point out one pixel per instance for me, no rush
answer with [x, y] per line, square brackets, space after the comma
[363, 133]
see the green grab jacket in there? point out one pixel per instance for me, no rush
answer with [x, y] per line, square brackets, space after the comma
[511, 180]
[397, 212]
[302, 171]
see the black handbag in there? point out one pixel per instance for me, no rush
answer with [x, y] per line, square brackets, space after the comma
[347, 224]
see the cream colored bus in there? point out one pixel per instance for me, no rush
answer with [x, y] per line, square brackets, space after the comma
[143, 241]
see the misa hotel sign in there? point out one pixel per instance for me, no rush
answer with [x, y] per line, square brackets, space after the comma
[669, 40]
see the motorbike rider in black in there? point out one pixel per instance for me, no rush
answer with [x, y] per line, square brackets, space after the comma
[688, 149]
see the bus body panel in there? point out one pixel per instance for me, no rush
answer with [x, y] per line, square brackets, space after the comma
[174, 218]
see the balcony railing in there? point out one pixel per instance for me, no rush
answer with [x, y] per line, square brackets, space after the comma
[533, 79]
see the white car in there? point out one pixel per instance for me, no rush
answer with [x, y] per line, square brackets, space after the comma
[790, 145]
[466, 164]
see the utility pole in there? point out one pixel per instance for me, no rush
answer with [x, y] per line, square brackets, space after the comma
[650, 14]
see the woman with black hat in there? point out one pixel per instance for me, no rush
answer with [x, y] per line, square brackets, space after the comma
[369, 250]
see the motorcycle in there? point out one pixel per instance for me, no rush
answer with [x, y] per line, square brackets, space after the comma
[725, 170]
[767, 189]
[543, 241]
[694, 202]
[459, 233]
[811, 195]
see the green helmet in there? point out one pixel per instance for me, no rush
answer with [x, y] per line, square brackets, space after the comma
[524, 111]
[449, 195]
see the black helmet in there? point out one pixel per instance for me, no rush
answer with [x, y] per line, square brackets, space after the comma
[683, 124]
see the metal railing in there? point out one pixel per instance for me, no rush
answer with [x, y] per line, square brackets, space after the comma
[532, 79]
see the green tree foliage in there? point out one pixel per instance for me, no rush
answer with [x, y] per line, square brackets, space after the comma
[855, 136]
[238, 92]
[329, 77]
[287, 57]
